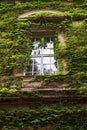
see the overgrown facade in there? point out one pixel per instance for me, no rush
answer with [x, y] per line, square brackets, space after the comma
[21, 21]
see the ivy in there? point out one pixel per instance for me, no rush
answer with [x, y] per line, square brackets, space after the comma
[59, 117]
[15, 39]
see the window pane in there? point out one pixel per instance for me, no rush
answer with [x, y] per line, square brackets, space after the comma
[42, 56]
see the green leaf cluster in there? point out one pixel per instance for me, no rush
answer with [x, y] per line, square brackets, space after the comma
[64, 118]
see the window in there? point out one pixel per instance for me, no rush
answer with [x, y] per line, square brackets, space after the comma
[42, 57]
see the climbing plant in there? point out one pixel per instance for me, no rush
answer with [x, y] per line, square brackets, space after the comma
[61, 118]
[15, 39]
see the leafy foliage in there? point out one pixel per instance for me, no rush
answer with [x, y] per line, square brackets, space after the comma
[77, 51]
[15, 37]
[73, 118]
